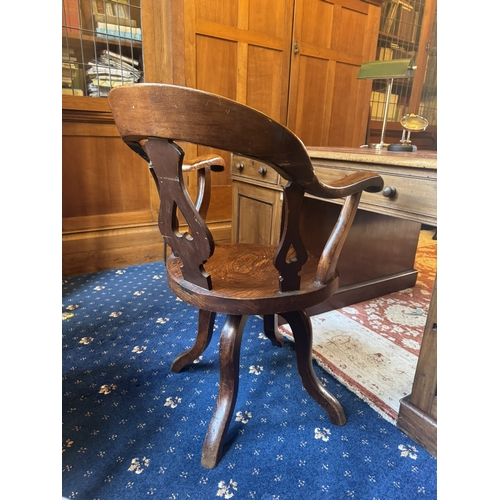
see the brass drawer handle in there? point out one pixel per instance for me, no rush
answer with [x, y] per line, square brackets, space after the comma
[389, 191]
[262, 170]
[239, 166]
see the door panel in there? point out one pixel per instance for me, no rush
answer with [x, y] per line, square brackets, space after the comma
[312, 105]
[215, 53]
[264, 80]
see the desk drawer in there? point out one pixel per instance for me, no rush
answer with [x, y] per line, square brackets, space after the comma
[414, 192]
[251, 169]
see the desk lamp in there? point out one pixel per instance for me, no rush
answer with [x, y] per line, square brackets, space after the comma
[386, 70]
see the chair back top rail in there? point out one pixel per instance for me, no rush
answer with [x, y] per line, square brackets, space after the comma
[147, 110]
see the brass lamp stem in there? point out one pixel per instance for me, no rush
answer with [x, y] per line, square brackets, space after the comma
[388, 93]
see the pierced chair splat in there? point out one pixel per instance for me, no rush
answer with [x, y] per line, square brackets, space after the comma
[238, 279]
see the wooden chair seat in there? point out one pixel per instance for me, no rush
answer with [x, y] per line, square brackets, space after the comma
[236, 279]
[244, 281]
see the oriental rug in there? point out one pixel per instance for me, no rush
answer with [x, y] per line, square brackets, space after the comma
[372, 347]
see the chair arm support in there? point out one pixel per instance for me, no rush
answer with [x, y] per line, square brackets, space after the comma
[203, 165]
[331, 252]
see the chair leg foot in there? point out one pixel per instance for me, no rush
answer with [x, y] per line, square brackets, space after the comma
[206, 320]
[271, 330]
[229, 353]
[302, 332]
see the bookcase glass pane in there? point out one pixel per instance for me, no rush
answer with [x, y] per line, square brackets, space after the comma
[101, 45]
[400, 38]
[428, 99]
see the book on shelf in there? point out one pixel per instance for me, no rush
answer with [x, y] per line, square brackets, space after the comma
[377, 101]
[116, 12]
[407, 17]
[117, 31]
[119, 27]
[428, 109]
[71, 71]
[119, 35]
[69, 91]
[386, 54]
[389, 13]
[119, 59]
[70, 16]
[68, 54]
[430, 77]
[102, 11]
[111, 70]
[399, 18]
[123, 21]
[122, 8]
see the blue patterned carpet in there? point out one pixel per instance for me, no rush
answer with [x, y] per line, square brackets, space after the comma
[134, 430]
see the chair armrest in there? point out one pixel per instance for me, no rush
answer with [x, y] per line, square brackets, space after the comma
[353, 183]
[203, 165]
[213, 162]
[357, 181]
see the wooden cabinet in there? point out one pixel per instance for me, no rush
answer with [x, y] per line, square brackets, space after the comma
[259, 201]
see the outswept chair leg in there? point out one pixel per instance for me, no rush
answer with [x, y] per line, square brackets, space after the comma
[229, 354]
[271, 330]
[206, 321]
[302, 332]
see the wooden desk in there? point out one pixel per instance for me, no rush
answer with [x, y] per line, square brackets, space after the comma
[379, 253]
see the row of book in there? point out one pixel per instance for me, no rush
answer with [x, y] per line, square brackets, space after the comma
[118, 31]
[112, 19]
[377, 103]
[393, 51]
[401, 19]
[72, 74]
[428, 108]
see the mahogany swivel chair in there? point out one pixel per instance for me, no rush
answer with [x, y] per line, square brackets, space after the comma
[236, 279]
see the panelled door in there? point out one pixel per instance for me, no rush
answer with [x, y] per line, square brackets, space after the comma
[328, 106]
[239, 49]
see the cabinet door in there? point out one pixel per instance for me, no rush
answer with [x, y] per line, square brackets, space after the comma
[256, 214]
[239, 49]
[328, 106]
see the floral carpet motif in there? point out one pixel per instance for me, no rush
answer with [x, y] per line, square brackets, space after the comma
[400, 316]
[373, 346]
[132, 429]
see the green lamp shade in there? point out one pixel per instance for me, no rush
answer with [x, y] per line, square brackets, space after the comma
[396, 68]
